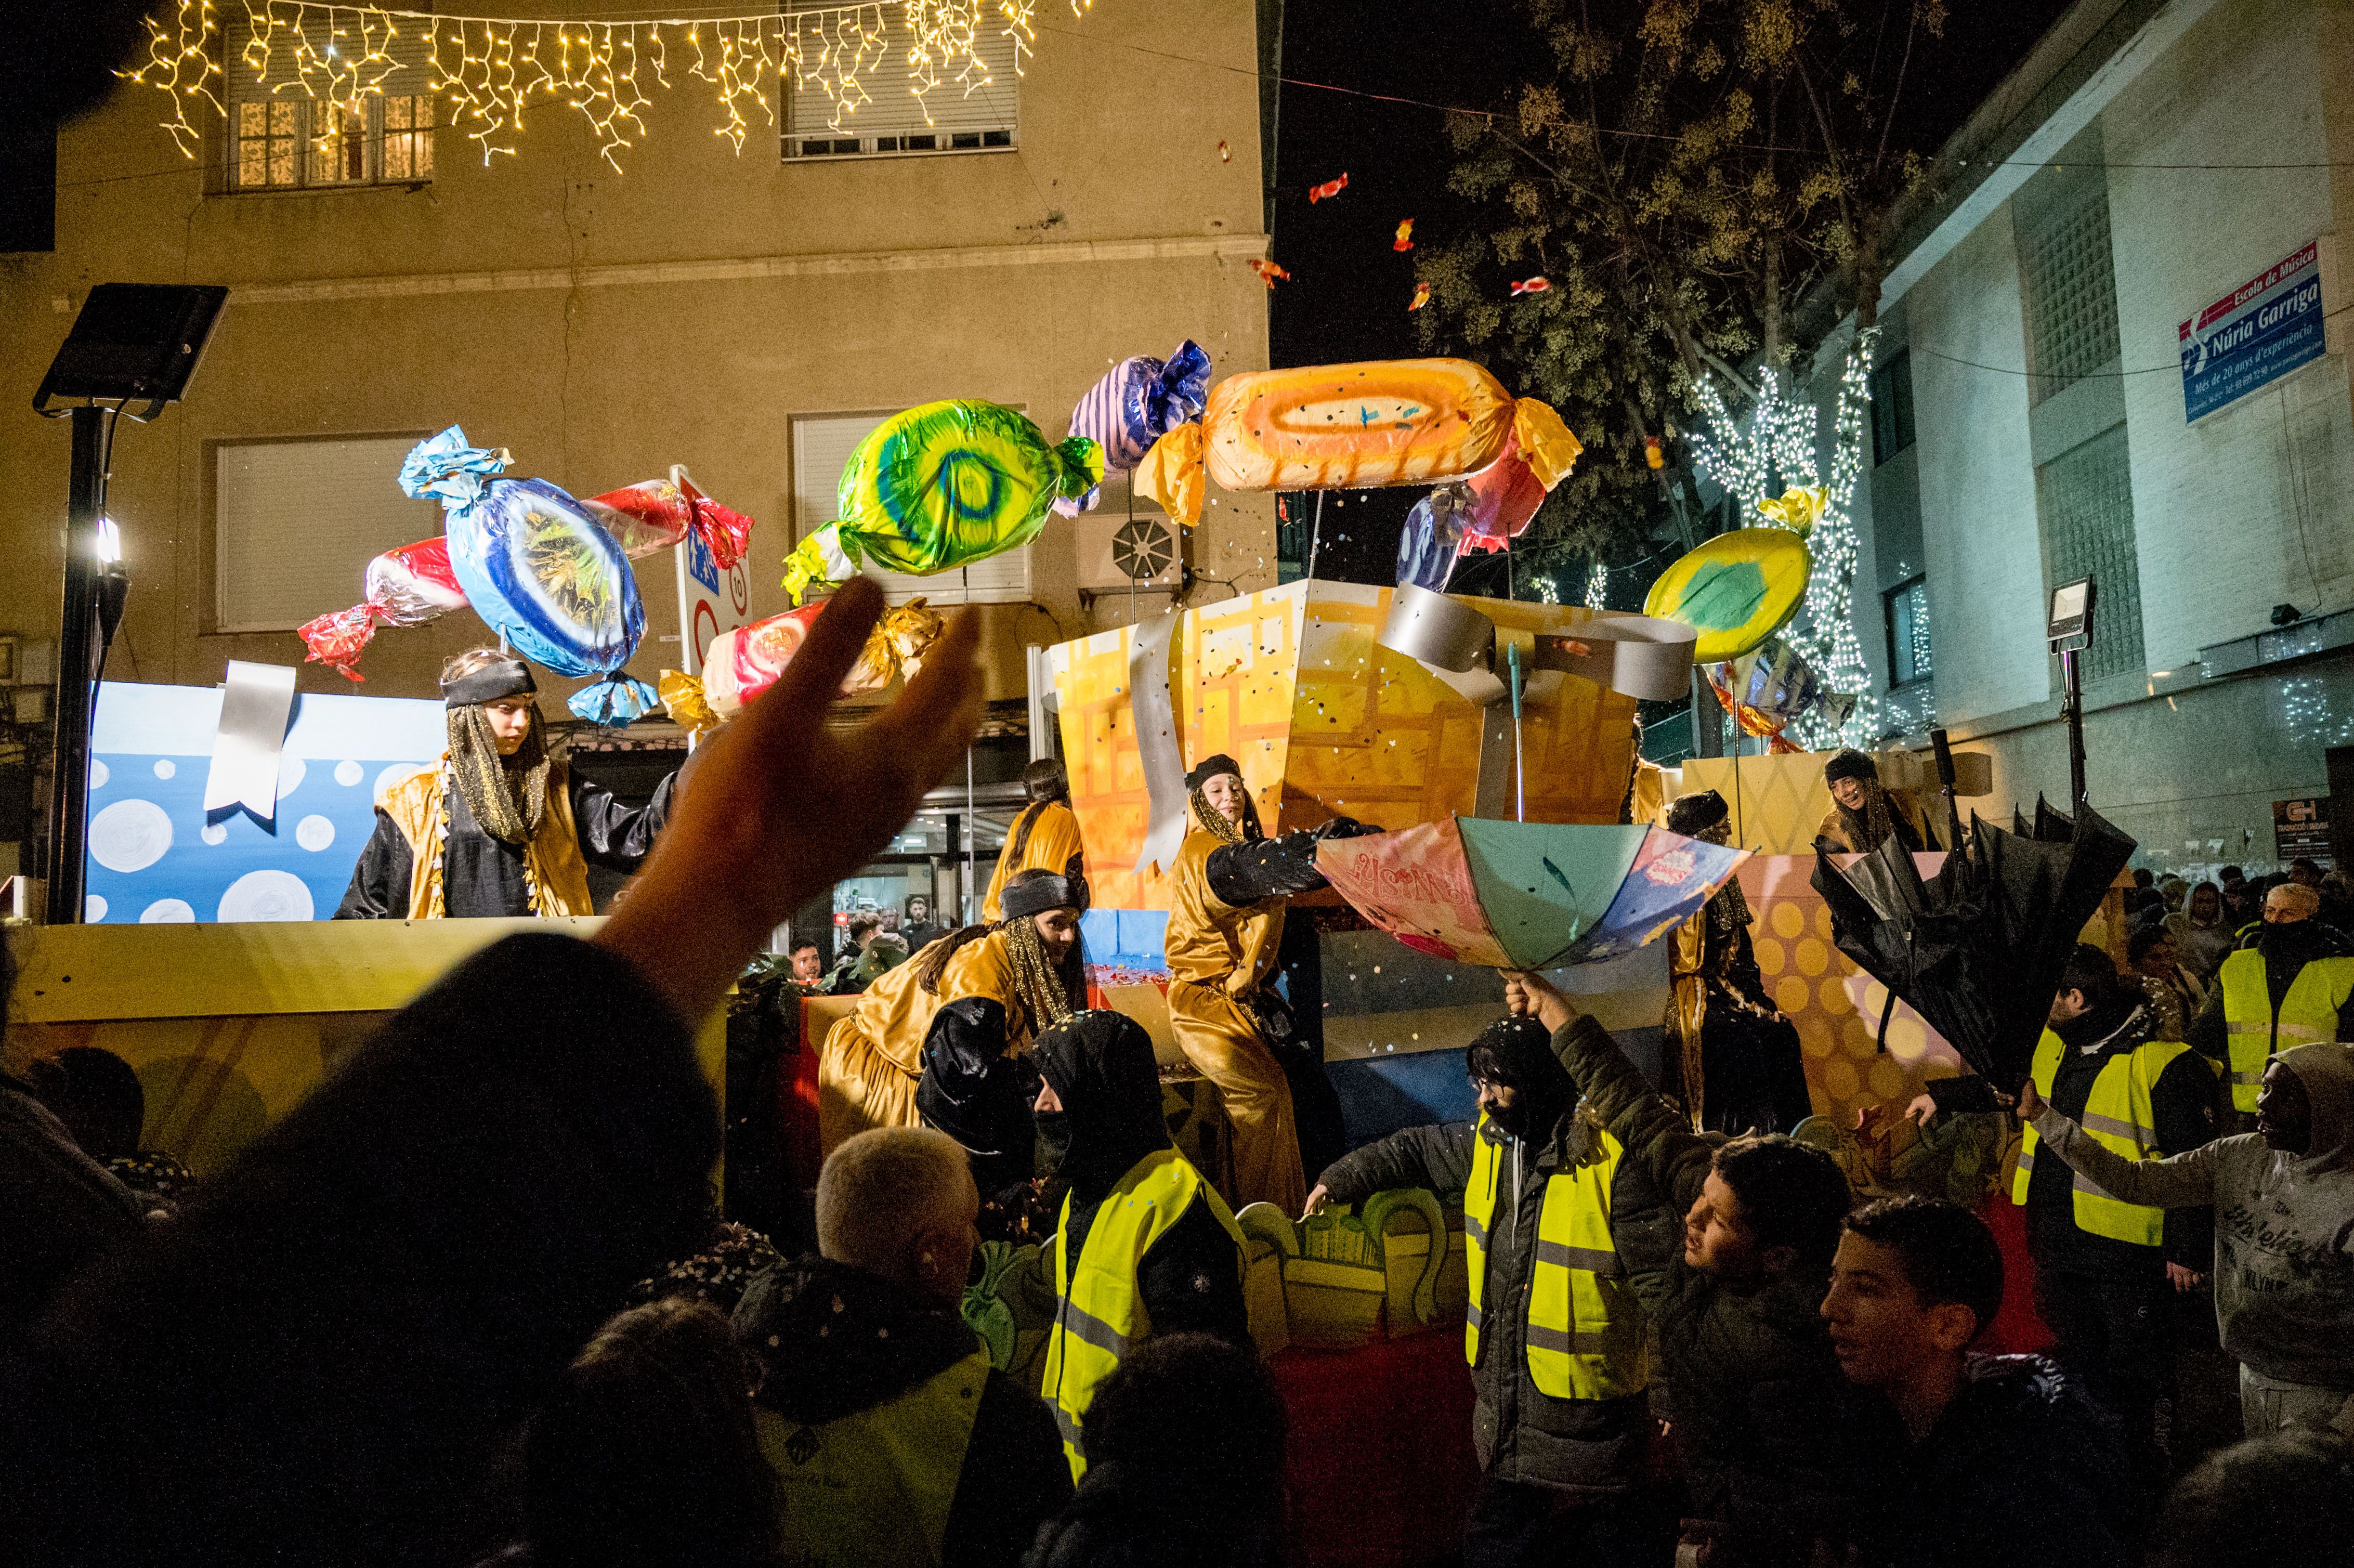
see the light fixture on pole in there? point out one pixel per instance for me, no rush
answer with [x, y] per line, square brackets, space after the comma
[2070, 632]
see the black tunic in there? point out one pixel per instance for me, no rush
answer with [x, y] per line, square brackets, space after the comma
[482, 876]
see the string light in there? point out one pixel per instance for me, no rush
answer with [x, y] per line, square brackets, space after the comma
[493, 70]
[1597, 585]
[1774, 451]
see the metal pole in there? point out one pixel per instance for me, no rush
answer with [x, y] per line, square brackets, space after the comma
[76, 662]
[1519, 780]
[2073, 684]
[1315, 533]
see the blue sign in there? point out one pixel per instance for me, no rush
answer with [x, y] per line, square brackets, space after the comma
[2253, 335]
[700, 564]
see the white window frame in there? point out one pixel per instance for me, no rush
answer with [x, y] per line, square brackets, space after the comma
[302, 115]
[1006, 577]
[316, 531]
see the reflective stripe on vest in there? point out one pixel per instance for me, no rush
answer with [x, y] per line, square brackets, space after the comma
[2308, 1014]
[875, 1487]
[1097, 1311]
[1585, 1331]
[2120, 1116]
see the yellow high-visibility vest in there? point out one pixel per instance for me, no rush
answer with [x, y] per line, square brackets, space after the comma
[2309, 1015]
[1099, 1312]
[2120, 1116]
[1584, 1329]
[875, 1487]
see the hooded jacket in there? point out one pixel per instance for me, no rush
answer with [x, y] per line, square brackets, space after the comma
[1773, 1437]
[836, 1340]
[1101, 1068]
[1577, 1445]
[2284, 1267]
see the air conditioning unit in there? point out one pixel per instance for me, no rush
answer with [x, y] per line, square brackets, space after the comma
[1121, 552]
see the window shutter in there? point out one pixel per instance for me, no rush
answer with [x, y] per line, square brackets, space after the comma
[296, 523]
[972, 101]
[821, 450]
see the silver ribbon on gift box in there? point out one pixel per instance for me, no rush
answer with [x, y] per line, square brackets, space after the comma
[256, 702]
[1155, 718]
[1638, 655]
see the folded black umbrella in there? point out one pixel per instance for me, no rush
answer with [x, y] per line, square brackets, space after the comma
[1978, 950]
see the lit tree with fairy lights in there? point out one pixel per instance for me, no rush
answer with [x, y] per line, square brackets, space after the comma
[1707, 189]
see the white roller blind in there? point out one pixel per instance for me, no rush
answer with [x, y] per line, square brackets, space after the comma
[821, 448]
[965, 101]
[371, 50]
[296, 523]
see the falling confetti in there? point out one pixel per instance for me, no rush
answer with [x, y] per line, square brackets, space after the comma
[1530, 286]
[1269, 272]
[1225, 153]
[1328, 190]
[1404, 240]
[1421, 296]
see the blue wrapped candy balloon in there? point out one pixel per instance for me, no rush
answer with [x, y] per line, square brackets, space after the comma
[539, 569]
[1433, 538]
[1142, 400]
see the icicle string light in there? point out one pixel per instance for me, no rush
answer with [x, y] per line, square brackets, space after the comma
[492, 70]
[1774, 450]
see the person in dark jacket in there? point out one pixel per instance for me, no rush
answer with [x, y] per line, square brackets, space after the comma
[1983, 1458]
[1558, 1468]
[2288, 981]
[1144, 1246]
[1768, 1429]
[1185, 1448]
[2103, 1269]
[320, 1361]
[893, 1439]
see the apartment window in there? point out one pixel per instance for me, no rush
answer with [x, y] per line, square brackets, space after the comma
[1907, 610]
[970, 108]
[822, 445]
[280, 557]
[1891, 407]
[2071, 286]
[288, 138]
[2085, 497]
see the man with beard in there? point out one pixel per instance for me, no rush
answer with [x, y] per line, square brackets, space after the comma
[1144, 1246]
[939, 1039]
[499, 827]
[2290, 983]
[1228, 888]
[1555, 1336]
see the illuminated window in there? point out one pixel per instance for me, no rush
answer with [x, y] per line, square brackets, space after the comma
[379, 131]
[971, 109]
[822, 445]
[1908, 633]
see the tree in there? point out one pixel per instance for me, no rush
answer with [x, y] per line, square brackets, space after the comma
[1696, 180]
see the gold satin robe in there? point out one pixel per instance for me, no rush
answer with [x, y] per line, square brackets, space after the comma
[1054, 839]
[1218, 955]
[874, 1058]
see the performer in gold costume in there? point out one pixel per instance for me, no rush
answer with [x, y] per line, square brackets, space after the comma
[1227, 889]
[1047, 834]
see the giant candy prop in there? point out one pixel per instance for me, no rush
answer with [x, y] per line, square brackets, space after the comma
[744, 662]
[1736, 589]
[941, 486]
[1433, 538]
[1365, 425]
[1526, 896]
[1141, 400]
[1766, 688]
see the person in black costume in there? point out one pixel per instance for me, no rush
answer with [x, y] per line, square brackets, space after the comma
[502, 828]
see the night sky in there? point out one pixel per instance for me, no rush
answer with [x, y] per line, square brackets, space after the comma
[1348, 294]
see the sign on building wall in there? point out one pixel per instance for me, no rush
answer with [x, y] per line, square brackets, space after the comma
[2253, 335]
[2302, 828]
[709, 601]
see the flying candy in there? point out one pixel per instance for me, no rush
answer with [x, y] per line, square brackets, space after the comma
[1141, 400]
[743, 662]
[1404, 240]
[1766, 688]
[1530, 286]
[538, 568]
[1225, 153]
[1328, 190]
[1269, 272]
[940, 486]
[1421, 296]
[656, 514]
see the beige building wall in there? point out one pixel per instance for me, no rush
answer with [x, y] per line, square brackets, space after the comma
[604, 325]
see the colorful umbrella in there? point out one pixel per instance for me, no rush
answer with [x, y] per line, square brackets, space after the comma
[1526, 896]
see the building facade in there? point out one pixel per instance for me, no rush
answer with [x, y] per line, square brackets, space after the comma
[746, 312]
[2113, 345]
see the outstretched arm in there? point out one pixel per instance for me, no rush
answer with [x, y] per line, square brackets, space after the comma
[2183, 1182]
[1676, 1158]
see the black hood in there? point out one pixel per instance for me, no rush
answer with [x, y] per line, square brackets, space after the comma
[1101, 1068]
[1519, 1051]
[835, 1339]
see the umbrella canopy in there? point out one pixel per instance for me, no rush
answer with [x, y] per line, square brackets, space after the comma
[1979, 949]
[1526, 896]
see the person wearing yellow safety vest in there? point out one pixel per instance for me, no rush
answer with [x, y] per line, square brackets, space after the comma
[1555, 1336]
[893, 1440]
[2103, 1268]
[1144, 1246]
[2290, 983]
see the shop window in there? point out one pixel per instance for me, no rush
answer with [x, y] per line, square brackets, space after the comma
[280, 557]
[969, 109]
[822, 445]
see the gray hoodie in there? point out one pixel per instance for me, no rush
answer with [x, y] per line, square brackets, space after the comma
[2284, 1223]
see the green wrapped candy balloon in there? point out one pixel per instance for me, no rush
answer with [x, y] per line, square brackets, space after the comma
[942, 486]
